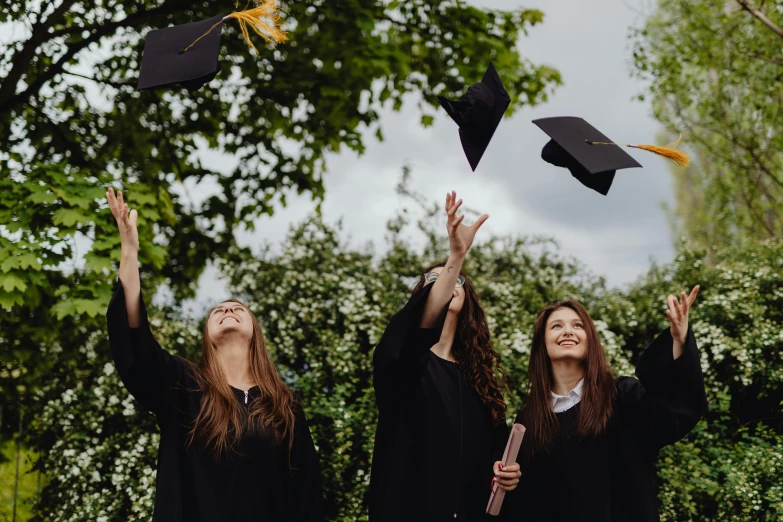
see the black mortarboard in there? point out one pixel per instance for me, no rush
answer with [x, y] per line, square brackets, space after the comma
[188, 54]
[165, 61]
[579, 147]
[479, 114]
[594, 166]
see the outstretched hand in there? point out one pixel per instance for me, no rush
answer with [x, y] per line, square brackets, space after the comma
[126, 222]
[460, 236]
[678, 314]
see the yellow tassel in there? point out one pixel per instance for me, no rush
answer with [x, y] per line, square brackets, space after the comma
[263, 19]
[669, 152]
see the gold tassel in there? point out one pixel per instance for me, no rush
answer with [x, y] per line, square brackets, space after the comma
[668, 152]
[256, 18]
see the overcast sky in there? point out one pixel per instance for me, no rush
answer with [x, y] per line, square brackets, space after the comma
[615, 236]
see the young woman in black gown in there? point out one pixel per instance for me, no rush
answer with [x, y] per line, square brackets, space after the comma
[441, 418]
[592, 440]
[234, 441]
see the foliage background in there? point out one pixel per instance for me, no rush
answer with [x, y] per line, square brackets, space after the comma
[324, 306]
[713, 70]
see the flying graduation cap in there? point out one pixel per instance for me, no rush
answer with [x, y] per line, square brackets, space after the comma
[591, 157]
[479, 114]
[188, 54]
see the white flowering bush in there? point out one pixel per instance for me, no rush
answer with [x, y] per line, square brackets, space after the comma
[99, 451]
[729, 468]
[324, 306]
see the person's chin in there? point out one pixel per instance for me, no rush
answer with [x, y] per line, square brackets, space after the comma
[568, 355]
[455, 309]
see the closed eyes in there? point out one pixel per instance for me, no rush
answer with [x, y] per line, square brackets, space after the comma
[238, 309]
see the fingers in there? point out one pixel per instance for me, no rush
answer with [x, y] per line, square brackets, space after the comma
[684, 304]
[507, 486]
[506, 475]
[453, 209]
[673, 308]
[480, 221]
[692, 296]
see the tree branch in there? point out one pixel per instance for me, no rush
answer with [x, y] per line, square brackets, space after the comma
[23, 59]
[763, 58]
[9, 100]
[761, 16]
[105, 82]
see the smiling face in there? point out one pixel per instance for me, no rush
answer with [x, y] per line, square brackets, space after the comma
[229, 319]
[565, 335]
[458, 296]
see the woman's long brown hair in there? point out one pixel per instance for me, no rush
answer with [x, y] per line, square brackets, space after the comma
[222, 421]
[597, 390]
[475, 355]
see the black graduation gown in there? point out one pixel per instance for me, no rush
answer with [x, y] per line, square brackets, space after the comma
[612, 478]
[435, 442]
[192, 486]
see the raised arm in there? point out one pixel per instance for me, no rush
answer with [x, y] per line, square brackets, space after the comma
[145, 368]
[669, 398]
[678, 318]
[129, 254]
[460, 240]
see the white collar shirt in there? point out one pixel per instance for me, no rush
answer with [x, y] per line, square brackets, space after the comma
[561, 403]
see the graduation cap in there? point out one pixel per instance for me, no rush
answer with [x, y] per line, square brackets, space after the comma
[479, 114]
[591, 157]
[188, 54]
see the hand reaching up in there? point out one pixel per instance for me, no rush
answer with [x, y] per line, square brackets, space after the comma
[460, 236]
[126, 223]
[678, 314]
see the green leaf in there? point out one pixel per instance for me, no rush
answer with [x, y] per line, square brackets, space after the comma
[69, 217]
[11, 282]
[10, 299]
[23, 261]
[97, 263]
[63, 309]
[41, 197]
[91, 307]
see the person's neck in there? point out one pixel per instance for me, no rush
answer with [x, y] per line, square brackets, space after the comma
[443, 348]
[233, 359]
[566, 374]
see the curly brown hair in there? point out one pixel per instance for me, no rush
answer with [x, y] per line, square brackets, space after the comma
[479, 362]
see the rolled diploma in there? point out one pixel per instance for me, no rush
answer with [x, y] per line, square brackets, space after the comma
[509, 457]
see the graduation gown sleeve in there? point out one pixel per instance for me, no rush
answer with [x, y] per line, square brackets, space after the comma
[668, 398]
[400, 354]
[147, 370]
[305, 490]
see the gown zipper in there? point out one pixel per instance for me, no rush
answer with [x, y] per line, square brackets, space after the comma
[246, 392]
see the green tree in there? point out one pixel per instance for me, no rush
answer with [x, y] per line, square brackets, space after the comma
[72, 123]
[64, 140]
[714, 72]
